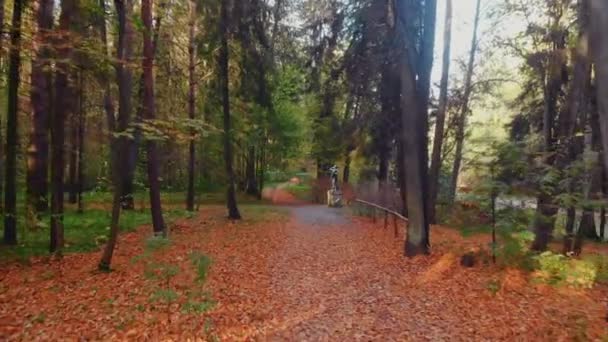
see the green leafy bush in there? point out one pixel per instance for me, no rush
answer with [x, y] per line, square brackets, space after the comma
[557, 269]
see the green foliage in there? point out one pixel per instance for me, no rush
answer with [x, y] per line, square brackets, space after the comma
[493, 286]
[557, 269]
[160, 275]
[84, 232]
[201, 264]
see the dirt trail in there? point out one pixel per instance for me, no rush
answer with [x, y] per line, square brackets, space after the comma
[297, 273]
[344, 279]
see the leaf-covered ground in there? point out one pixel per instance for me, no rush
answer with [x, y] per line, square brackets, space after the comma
[298, 273]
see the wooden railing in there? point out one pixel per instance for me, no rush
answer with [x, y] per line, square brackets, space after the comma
[386, 212]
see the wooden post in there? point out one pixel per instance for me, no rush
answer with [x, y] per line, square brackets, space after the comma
[395, 225]
[385, 219]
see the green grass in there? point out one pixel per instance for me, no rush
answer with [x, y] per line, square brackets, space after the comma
[177, 198]
[302, 191]
[84, 232]
[255, 213]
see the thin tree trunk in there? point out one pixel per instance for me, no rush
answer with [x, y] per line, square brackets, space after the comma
[63, 108]
[464, 109]
[81, 146]
[546, 208]
[150, 114]
[124, 73]
[1, 139]
[117, 160]
[191, 103]
[251, 186]
[41, 96]
[10, 196]
[262, 169]
[436, 161]
[108, 103]
[346, 171]
[73, 153]
[233, 211]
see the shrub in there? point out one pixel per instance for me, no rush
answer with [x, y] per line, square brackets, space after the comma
[556, 269]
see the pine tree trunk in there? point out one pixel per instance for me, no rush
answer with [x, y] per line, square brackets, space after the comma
[599, 50]
[63, 109]
[116, 161]
[191, 103]
[104, 80]
[233, 211]
[346, 171]
[436, 161]
[251, 186]
[73, 153]
[1, 139]
[81, 146]
[546, 208]
[150, 114]
[464, 109]
[41, 96]
[124, 75]
[10, 195]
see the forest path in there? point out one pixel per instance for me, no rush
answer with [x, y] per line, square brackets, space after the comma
[338, 277]
[293, 273]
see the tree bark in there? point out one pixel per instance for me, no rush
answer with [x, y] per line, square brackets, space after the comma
[149, 110]
[124, 75]
[546, 208]
[233, 211]
[63, 109]
[436, 161]
[464, 109]
[599, 50]
[413, 121]
[10, 195]
[108, 102]
[116, 144]
[73, 153]
[41, 96]
[346, 171]
[191, 104]
[81, 145]
[251, 185]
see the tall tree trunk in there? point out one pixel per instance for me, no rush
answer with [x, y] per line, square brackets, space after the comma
[10, 196]
[436, 161]
[599, 50]
[1, 139]
[233, 211]
[73, 154]
[464, 109]
[413, 121]
[41, 95]
[262, 169]
[117, 159]
[191, 103]
[104, 79]
[63, 109]
[546, 208]
[133, 150]
[251, 184]
[417, 241]
[346, 171]
[150, 114]
[401, 172]
[81, 153]
[124, 51]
